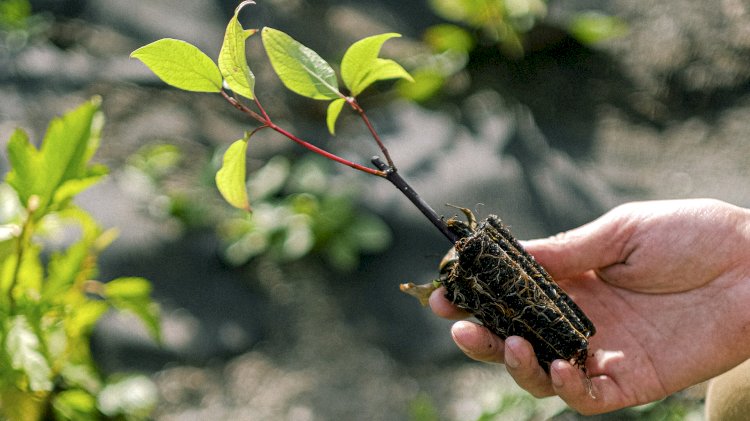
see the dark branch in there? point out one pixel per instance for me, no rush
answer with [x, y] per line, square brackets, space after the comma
[393, 176]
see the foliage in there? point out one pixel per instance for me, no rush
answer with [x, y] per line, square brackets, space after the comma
[298, 67]
[18, 24]
[49, 296]
[302, 221]
[297, 213]
[504, 23]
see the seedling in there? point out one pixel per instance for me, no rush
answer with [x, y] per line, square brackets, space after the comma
[484, 277]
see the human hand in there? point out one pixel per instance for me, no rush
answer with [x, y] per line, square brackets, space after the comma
[667, 285]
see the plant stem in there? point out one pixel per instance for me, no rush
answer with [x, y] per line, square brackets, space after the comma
[385, 170]
[325, 153]
[266, 121]
[23, 242]
[240, 106]
[353, 102]
[395, 178]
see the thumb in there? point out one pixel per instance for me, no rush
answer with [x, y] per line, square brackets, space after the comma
[596, 245]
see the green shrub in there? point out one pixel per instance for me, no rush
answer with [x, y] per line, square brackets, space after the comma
[50, 298]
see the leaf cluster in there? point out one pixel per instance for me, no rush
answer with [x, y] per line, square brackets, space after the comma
[299, 68]
[50, 298]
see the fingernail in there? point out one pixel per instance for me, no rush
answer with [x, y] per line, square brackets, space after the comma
[459, 332]
[511, 359]
[557, 381]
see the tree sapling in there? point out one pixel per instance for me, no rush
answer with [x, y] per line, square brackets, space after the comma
[491, 275]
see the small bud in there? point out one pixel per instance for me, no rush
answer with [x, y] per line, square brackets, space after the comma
[33, 204]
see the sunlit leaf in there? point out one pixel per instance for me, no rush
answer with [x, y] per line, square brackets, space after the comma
[426, 84]
[446, 37]
[84, 317]
[128, 288]
[181, 65]
[134, 295]
[24, 159]
[593, 27]
[230, 179]
[63, 270]
[70, 188]
[24, 348]
[334, 109]
[75, 404]
[69, 143]
[474, 12]
[361, 66]
[301, 69]
[232, 60]
[66, 147]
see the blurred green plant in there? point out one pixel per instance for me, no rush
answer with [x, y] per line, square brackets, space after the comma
[422, 408]
[501, 22]
[50, 298]
[18, 24]
[297, 213]
[504, 23]
[300, 69]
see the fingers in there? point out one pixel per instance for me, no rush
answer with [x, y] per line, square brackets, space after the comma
[522, 365]
[477, 342]
[444, 308]
[596, 395]
[480, 344]
[588, 396]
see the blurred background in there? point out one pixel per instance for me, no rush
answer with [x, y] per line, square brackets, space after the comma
[547, 113]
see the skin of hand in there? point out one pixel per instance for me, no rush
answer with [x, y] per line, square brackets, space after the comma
[667, 285]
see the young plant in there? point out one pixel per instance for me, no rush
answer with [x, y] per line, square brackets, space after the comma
[50, 298]
[490, 274]
[302, 71]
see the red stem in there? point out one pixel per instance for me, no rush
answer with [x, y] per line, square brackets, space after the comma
[325, 153]
[353, 102]
[266, 121]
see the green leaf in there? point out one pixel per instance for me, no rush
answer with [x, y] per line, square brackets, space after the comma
[230, 179]
[70, 141]
[426, 84]
[66, 146]
[301, 69]
[446, 37]
[181, 65]
[75, 404]
[334, 109]
[23, 346]
[134, 295]
[127, 289]
[70, 188]
[25, 163]
[67, 266]
[361, 66]
[592, 27]
[232, 60]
